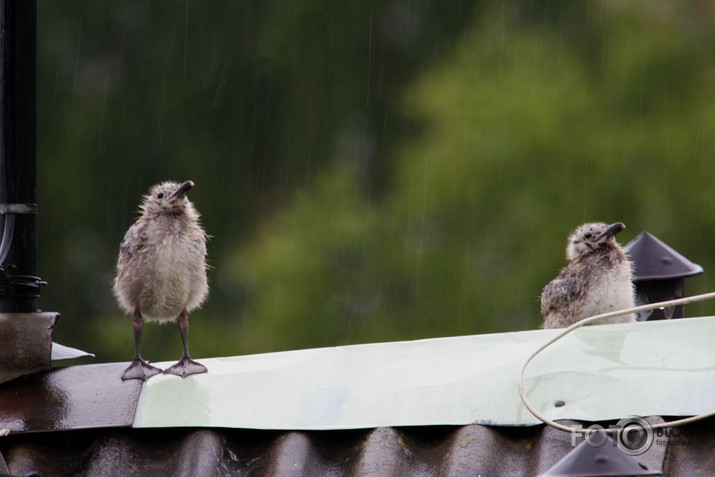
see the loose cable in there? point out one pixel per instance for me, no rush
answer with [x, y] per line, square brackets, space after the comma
[586, 321]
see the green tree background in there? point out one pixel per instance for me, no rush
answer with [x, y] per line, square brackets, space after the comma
[369, 171]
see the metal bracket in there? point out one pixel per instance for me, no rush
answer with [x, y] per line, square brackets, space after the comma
[27, 343]
[18, 209]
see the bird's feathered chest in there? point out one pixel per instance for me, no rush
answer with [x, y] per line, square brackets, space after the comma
[164, 243]
[599, 280]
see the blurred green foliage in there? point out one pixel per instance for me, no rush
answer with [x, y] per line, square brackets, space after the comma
[369, 171]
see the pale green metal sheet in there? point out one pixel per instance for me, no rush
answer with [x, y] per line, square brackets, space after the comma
[598, 372]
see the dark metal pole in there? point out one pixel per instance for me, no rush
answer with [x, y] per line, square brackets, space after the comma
[18, 286]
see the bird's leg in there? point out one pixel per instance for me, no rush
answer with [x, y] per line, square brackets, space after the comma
[186, 366]
[139, 369]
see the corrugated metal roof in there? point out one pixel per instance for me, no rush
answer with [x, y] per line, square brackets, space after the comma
[474, 450]
[446, 406]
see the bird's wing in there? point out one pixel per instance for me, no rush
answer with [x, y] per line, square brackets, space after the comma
[560, 294]
[132, 243]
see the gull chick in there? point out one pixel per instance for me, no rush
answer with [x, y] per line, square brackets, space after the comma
[161, 271]
[596, 280]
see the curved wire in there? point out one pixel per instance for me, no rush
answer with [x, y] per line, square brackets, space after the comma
[585, 321]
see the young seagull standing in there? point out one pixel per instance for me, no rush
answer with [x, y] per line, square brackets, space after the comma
[596, 280]
[161, 271]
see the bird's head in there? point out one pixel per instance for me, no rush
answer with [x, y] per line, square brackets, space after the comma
[168, 198]
[589, 237]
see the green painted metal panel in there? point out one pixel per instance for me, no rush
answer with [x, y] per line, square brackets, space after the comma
[597, 373]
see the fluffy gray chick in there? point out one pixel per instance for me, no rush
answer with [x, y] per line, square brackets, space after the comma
[161, 271]
[596, 280]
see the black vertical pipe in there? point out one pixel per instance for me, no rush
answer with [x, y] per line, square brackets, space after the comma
[18, 43]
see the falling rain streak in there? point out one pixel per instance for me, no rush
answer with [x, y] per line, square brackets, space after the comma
[368, 171]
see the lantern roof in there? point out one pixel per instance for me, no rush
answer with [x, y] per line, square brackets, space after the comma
[655, 260]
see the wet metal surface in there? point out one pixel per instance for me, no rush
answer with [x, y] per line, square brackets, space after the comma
[69, 398]
[425, 451]
[25, 343]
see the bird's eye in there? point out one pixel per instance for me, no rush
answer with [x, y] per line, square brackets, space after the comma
[160, 195]
[588, 236]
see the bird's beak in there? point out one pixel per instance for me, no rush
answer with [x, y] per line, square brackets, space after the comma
[183, 189]
[613, 229]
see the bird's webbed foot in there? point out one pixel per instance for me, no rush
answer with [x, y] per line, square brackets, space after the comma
[140, 369]
[186, 367]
